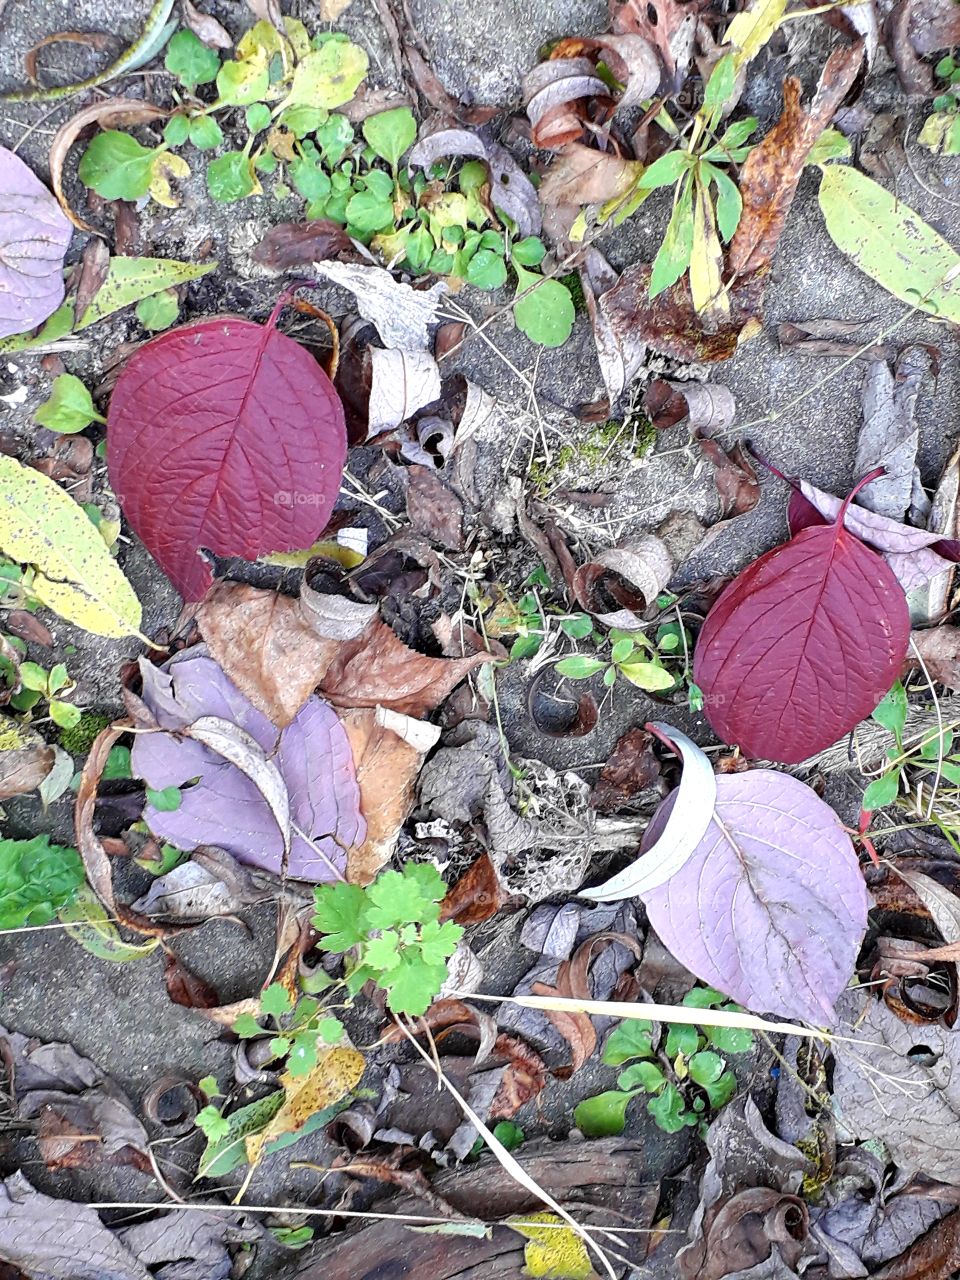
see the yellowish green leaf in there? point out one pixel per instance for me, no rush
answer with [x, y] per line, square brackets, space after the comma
[647, 675]
[553, 1251]
[76, 575]
[891, 243]
[87, 922]
[130, 279]
[298, 559]
[941, 132]
[167, 165]
[338, 1070]
[706, 258]
[752, 28]
[328, 76]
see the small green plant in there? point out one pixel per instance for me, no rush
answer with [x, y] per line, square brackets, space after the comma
[299, 1028]
[69, 408]
[37, 684]
[37, 878]
[79, 738]
[390, 934]
[941, 130]
[921, 757]
[684, 1073]
[658, 665]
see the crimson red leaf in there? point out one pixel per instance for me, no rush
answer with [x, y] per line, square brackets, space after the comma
[224, 434]
[802, 645]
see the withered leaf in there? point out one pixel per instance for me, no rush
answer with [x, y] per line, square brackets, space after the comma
[935, 1256]
[434, 510]
[185, 988]
[476, 896]
[939, 648]
[710, 406]
[25, 762]
[621, 583]
[290, 245]
[833, 338]
[377, 669]
[631, 770]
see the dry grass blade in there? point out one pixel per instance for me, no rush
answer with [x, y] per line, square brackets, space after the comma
[510, 1165]
[654, 1012]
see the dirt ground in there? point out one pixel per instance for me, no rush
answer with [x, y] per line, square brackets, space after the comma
[119, 1015]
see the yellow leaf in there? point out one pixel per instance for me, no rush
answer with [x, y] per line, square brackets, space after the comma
[751, 29]
[165, 166]
[76, 575]
[89, 924]
[338, 1070]
[706, 258]
[553, 1251]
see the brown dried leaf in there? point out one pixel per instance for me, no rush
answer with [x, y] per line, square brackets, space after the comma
[710, 407]
[935, 1256]
[476, 896]
[94, 266]
[185, 988]
[266, 645]
[98, 40]
[734, 476]
[630, 576]
[291, 245]
[377, 669]
[205, 27]
[939, 648]
[582, 175]
[631, 770]
[25, 762]
[388, 750]
[434, 510]
[833, 338]
[669, 25]
[111, 113]
[769, 176]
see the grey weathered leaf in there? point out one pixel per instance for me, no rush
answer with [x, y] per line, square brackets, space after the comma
[402, 315]
[889, 435]
[401, 383]
[511, 191]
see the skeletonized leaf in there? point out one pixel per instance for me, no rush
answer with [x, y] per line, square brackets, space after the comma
[34, 236]
[696, 799]
[76, 574]
[890, 243]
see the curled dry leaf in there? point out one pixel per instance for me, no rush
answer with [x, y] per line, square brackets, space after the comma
[232, 804]
[710, 406]
[890, 435]
[403, 316]
[211, 884]
[734, 476]
[552, 92]
[188, 421]
[288, 246]
[401, 382]
[803, 644]
[620, 350]
[833, 338]
[630, 576]
[631, 773]
[388, 750]
[376, 668]
[580, 175]
[511, 191]
[433, 508]
[110, 113]
[669, 26]
[34, 236]
[268, 646]
[25, 759]
[205, 27]
[94, 268]
[184, 987]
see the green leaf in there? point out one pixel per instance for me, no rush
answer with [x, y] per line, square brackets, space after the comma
[665, 171]
[118, 764]
[190, 60]
[673, 256]
[486, 270]
[333, 138]
[246, 1026]
[309, 179]
[159, 310]
[367, 214]
[642, 1075]
[37, 879]
[257, 117]
[729, 202]
[303, 1055]
[275, 1000]
[526, 646]
[329, 76]
[330, 1030]
[647, 675]
[735, 136]
[338, 915]
[231, 177]
[681, 1038]
[303, 120]
[240, 83]
[577, 627]
[226, 1153]
[509, 1135]
[391, 133]
[722, 1090]
[209, 1087]
[211, 1123]
[167, 800]
[76, 575]
[831, 145]
[882, 790]
[703, 998]
[730, 1039]
[88, 923]
[706, 1067]
[205, 133]
[631, 1039]
[382, 953]
[64, 714]
[412, 985]
[668, 1109]
[407, 897]
[546, 314]
[177, 130]
[604, 1115]
[622, 649]
[292, 1237]
[579, 667]
[891, 243]
[33, 676]
[721, 82]
[892, 711]
[529, 252]
[934, 746]
[116, 166]
[439, 941]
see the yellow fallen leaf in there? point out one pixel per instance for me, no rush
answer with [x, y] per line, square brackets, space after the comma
[338, 1070]
[76, 574]
[752, 28]
[553, 1251]
[167, 166]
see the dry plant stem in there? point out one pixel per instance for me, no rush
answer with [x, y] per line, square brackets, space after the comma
[510, 1165]
[936, 702]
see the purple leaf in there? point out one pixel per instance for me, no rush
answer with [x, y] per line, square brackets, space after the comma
[914, 555]
[34, 234]
[225, 808]
[771, 906]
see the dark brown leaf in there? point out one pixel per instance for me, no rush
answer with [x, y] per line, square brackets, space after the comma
[631, 770]
[669, 25]
[734, 475]
[185, 988]
[939, 648]
[833, 338]
[290, 245]
[935, 1256]
[710, 407]
[433, 509]
[94, 266]
[476, 896]
[28, 627]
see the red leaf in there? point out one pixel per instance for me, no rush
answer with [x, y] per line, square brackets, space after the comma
[227, 435]
[802, 645]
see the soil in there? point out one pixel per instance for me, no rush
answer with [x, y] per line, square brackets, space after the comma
[802, 414]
